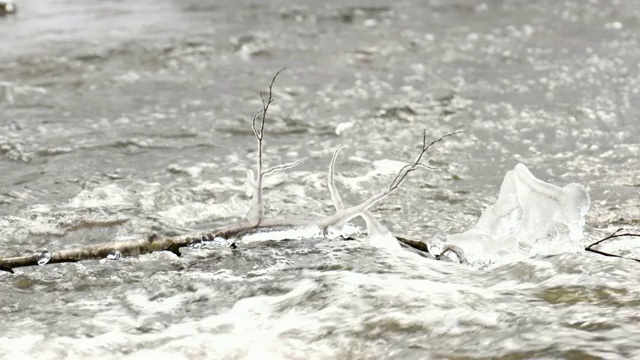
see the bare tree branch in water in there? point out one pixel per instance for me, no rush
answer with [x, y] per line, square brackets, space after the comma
[342, 216]
[255, 215]
[616, 234]
[402, 174]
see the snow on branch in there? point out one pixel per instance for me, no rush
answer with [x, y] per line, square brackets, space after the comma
[255, 215]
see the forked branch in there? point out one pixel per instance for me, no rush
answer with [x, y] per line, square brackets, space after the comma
[341, 217]
[402, 174]
[255, 215]
[616, 234]
[259, 131]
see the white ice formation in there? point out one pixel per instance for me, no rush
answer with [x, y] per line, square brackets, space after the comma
[530, 217]
[377, 234]
[254, 189]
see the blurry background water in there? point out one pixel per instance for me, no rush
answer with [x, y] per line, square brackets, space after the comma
[121, 118]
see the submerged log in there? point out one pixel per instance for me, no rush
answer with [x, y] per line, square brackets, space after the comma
[153, 243]
[146, 245]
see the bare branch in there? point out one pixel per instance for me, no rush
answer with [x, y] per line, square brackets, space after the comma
[253, 124]
[333, 191]
[427, 167]
[402, 174]
[265, 108]
[377, 234]
[256, 210]
[342, 216]
[616, 234]
[422, 246]
[282, 167]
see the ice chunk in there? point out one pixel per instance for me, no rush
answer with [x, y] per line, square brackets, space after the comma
[114, 255]
[530, 217]
[502, 218]
[44, 257]
[550, 212]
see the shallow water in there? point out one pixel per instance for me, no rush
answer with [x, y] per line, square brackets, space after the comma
[118, 119]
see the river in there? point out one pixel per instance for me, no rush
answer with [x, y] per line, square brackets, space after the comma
[124, 118]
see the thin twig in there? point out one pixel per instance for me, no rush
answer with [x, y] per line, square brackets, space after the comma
[402, 174]
[265, 108]
[615, 234]
[281, 167]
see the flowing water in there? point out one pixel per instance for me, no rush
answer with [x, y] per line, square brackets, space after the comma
[124, 118]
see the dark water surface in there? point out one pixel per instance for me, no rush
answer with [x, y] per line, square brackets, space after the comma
[121, 118]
